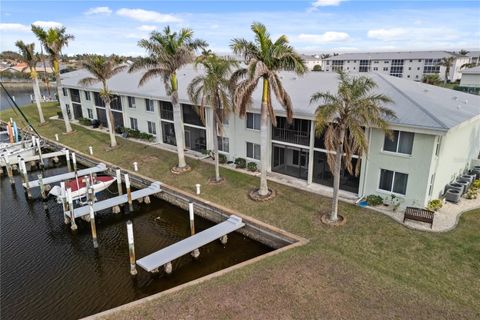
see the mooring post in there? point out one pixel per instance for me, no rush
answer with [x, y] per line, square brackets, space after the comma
[15, 131]
[91, 198]
[196, 252]
[90, 150]
[56, 136]
[135, 166]
[119, 181]
[67, 156]
[74, 161]
[131, 248]
[70, 207]
[23, 170]
[9, 170]
[63, 195]
[129, 192]
[197, 186]
[42, 164]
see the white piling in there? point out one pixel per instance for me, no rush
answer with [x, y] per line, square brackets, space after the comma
[67, 157]
[131, 248]
[90, 150]
[129, 192]
[39, 148]
[74, 161]
[196, 252]
[70, 207]
[42, 191]
[56, 136]
[9, 170]
[135, 166]
[224, 239]
[168, 268]
[23, 170]
[197, 186]
[63, 195]
[91, 198]
[119, 181]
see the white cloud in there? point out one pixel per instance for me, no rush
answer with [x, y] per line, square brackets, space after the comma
[147, 15]
[16, 27]
[99, 10]
[387, 34]
[329, 36]
[148, 28]
[325, 3]
[47, 24]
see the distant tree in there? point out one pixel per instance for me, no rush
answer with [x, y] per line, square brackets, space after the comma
[101, 69]
[433, 79]
[317, 67]
[463, 52]
[467, 65]
[446, 62]
[325, 56]
[54, 40]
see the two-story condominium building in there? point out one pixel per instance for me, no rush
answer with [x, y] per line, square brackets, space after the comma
[413, 65]
[436, 134]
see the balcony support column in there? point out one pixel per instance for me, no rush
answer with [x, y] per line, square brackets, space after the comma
[311, 153]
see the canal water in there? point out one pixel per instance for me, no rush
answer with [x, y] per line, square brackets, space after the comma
[22, 96]
[50, 272]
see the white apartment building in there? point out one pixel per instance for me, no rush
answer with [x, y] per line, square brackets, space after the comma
[312, 60]
[412, 65]
[435, 139]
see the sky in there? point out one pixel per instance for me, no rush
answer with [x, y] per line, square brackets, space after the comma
[314, 26]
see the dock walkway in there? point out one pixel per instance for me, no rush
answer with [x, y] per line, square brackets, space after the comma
[118, 200]
[157, 259]
[69, 175]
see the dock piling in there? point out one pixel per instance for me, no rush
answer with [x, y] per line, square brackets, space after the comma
[197, 186]
[74, 161]
[70, 208]
[91, 198]
[67, 156]
[195, 253]
[131, 248]
[56, 136]
[90, 150]
[119, 181]
[129, 192]
[135, 166]
[63, 196]
[23, 170]
[42, 164]
[168, 268]
[9, 171]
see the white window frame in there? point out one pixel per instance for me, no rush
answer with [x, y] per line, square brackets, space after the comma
[222, 142]
[254, 115]
[147, 105]
[151, 125]
[393, 183]
[253, 150]
[133, 105]
[88, 97]
[132, 121]
[90, 113]
[398, 144]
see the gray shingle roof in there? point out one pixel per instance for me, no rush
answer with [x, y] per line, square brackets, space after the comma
[393, 55]
[474, 70]
[416, 104]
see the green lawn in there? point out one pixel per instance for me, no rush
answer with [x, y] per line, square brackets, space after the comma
[372, 268]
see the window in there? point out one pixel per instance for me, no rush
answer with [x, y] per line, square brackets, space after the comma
[253, 121]
[90, 113]
[397, 68]
[431, 66]
[87, 95]
[385, 68]
[75, 95]
[133, 123]
[430, 189]
[392, 181]
[64, 92]
[400, 142]
[437, 147]
[223, 144]
[98, 100]
[166, 110]
[253, 151]
[191, 115]
[149, 105]
[364, 66]
[131, 102]
[151, 127]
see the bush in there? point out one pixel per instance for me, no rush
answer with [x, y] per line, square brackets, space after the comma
[60, 114]
[472, 194]
[374, 200]
[85, 121]
[241, 163]
[435, 205]
[222, 158]
[139, 135]
[476, 184]
[252, 166]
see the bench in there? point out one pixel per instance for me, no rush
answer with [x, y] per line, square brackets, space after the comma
[418, 214]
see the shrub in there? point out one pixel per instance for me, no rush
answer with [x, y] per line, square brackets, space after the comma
[476, 184]
[435, 205]
[374, 200]
[139, 135]
[222, 158]
[471, 194]
[85, 121]
[252, 166]
[60, 114]
[241, 163]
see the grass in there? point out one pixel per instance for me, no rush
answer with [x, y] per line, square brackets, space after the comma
[372, 268]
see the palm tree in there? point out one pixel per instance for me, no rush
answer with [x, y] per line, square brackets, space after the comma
[446, 62]
[168, 52]
[213, 89]
[27, 55]
[102, 69]
[54, 40]
[433, 79]
[264, 59]
[342, 118]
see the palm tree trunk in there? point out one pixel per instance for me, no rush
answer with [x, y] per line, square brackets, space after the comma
[111, 125]
[36, 93]
[263, 191]
[68, 127]
[215, 147]
[336, 176]
[446, 76]
[179, 133]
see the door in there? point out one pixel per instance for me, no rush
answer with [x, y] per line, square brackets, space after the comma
[188, 143]
[77, 110]
[118, 118]
[102, 117]
[278, 156]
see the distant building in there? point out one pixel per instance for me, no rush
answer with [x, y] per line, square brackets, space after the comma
[470, 77]
[413, 65]
[312, 60]
[474, 57]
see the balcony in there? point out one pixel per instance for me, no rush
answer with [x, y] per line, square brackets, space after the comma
[166, 114]
[291, 136]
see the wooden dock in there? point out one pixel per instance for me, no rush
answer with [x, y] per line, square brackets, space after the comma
[160, 258]
[70, 175]
[14, 159]
[118, 200]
